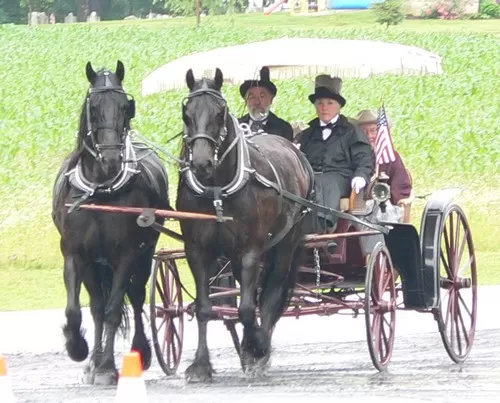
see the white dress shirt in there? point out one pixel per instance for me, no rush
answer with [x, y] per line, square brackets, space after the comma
[327, 132]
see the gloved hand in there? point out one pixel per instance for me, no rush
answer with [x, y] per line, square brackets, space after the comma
[358, 183]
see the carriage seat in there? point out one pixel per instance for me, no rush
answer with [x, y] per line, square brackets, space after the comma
[357, 203]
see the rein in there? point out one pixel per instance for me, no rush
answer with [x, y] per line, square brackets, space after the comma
[243, 166]
[129, 162]
[245, 172]
[96, 148]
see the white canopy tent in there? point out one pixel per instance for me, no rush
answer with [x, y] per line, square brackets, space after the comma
[296, 57]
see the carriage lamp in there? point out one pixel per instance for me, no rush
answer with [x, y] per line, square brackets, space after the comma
[381, 191]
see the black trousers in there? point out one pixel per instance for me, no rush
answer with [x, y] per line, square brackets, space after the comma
[329, 188]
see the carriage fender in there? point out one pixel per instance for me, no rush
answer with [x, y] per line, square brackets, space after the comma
[404, 247]
[434, 212]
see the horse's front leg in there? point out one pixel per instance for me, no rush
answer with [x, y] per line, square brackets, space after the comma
[201, 368]
[255, 342]
[76, 345]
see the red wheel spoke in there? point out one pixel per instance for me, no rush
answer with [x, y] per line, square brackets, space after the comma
[163, 321]
[449, 307]
[468, 263]
[456, 244]
[452, 245]
[380, 270]
[447, 247]
[160, 291]
[464, 304]
[380, 294]
[464, 329]
[445, 264]
[384, 335]
[168, 327]
[376, 329]
[461, 251]
[452, 316]
[457, 330]
[387, 281]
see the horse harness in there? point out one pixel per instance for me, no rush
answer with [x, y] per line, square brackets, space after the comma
[129, 166]
[245, 171]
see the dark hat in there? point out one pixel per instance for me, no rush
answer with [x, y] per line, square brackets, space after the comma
[327, 87]
[264, 81]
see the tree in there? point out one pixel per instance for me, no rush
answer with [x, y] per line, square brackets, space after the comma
[10, 11]
[389, 12]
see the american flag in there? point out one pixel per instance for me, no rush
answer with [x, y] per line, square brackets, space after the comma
[384, 149]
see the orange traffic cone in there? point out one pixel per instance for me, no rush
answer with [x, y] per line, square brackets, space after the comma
[6, 394]
[131, 385]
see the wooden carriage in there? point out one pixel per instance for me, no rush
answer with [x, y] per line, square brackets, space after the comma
[366, 272]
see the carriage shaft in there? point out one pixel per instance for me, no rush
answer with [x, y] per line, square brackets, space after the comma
[179, 215]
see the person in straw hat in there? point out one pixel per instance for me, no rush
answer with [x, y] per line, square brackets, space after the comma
[337, 150]
[399, 180]
[259, 96]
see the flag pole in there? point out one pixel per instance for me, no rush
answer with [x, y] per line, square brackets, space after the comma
[377, 165]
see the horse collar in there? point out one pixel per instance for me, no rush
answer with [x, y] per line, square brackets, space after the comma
[243, 168]
[129, 169]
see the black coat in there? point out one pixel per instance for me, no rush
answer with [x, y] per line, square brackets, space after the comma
[346, 152]
[274, 125]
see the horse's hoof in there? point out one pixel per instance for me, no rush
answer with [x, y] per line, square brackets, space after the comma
[76, 345]
[199, 372]
[88, 377]
[262, 365]
[106, 378]
[247, 362]
[142, 346]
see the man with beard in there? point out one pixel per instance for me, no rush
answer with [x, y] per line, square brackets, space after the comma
[259, 95]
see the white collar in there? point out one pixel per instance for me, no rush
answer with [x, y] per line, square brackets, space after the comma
[334, 120]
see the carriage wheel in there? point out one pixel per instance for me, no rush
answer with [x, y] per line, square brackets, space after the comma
[167, 318]
[456, 314]
[380, 306]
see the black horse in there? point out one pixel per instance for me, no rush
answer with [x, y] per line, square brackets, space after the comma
[109, 253]
[245, 179]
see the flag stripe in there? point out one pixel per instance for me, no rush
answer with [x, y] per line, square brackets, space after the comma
[384, 149]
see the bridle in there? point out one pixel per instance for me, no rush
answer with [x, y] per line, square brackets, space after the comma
[215, 142]
[96, 148]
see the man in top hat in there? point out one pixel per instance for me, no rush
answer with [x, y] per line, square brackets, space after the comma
[259, 95]
[337, 150]
[399, 180]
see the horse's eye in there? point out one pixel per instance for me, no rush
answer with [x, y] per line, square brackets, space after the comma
[220, 118]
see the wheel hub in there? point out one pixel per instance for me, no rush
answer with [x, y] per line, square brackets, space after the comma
[385, 306]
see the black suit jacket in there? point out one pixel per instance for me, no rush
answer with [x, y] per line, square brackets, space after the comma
[274, 125]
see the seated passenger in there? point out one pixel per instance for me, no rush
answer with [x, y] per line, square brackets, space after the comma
[259, 95]
[337, 150]
[399, 180]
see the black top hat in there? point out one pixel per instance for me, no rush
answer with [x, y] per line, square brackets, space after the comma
[327, 87]
[264, 81]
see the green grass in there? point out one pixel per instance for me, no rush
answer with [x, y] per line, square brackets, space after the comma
[445, 126]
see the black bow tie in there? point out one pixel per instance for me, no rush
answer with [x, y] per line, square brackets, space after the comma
[256, 126]
[328, 126]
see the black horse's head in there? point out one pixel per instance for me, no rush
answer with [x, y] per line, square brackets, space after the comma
[204, 115]
[107, 114]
